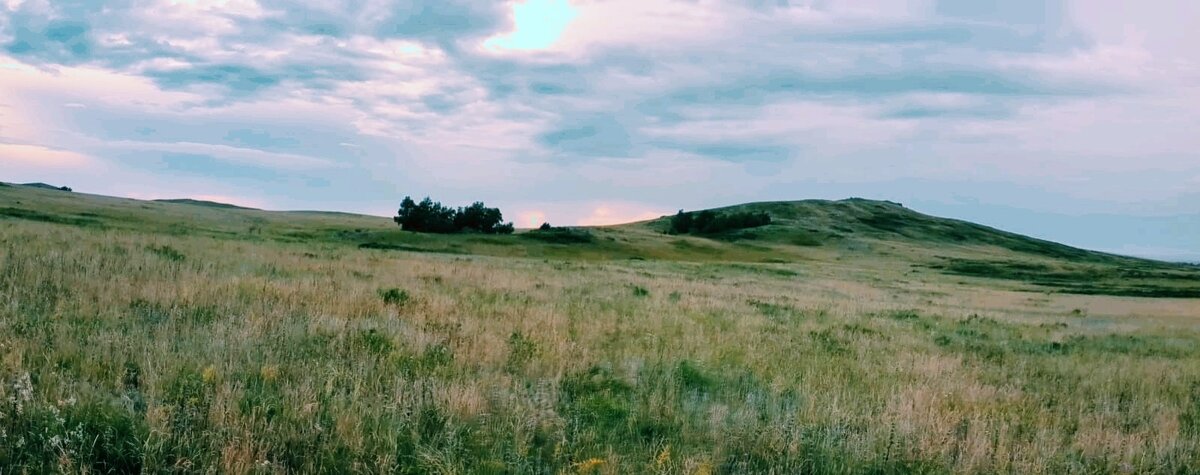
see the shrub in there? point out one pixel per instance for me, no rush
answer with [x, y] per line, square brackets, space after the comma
[711, 222]
[545, 227]
[520, 350]
[394, 296]
[561, 235]
[167, 252]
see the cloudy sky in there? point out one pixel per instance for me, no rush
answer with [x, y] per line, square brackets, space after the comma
[1074, 120]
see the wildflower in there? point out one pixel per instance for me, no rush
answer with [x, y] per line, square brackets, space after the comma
[664, 456]
[22, 393]
[209, 375]
[588, 465]
[24, 387]
[269, 373]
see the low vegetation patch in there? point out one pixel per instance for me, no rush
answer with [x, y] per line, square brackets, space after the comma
[1083, 279]
[560, 235]
[167, 252]
[389, 246]
[394, 296]
[711, 222]
[32, 215]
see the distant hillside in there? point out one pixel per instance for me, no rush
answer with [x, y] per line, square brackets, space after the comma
[821, 222]
[856, 232]
[46, 186]
[889, 230]
[210, 204]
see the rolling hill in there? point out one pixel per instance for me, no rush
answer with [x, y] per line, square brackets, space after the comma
[852, 231]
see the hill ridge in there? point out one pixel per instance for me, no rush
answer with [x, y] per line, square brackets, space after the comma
[195, 202]
[853, 231]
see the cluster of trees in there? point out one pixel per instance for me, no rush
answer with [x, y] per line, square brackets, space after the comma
[711, 222]
[429, 216]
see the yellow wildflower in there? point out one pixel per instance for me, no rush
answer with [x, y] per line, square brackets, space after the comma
[209, 374]
[270, 373]
[664, 456]
[587, 466]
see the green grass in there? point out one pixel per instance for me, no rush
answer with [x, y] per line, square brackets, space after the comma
[182, 338]
[1131, 280]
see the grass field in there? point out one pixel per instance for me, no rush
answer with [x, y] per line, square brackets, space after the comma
[851, 337]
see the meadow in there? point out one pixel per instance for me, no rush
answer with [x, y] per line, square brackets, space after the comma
[173, 338]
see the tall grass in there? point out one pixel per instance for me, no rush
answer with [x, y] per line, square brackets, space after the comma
[123, 351]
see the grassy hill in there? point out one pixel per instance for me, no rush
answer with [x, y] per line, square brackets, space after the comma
[847, 337]
[851, 230]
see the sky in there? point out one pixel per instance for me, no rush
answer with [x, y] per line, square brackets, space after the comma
[1071, 120]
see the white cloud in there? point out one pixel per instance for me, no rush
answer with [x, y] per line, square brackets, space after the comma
[28, 86]
[42, 158]
[805, 123]
[242, 8]
[234, 155]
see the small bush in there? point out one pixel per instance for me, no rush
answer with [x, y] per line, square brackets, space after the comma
[167, 252]
[520, 350]
[394, 296]
[561, 235]
[639, 291]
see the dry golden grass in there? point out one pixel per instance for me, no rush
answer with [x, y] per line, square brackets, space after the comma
[124, 350]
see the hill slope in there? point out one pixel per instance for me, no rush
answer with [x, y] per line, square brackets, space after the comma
[866, 233]
[210, 204]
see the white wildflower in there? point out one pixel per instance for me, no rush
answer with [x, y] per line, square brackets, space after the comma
[23, 388]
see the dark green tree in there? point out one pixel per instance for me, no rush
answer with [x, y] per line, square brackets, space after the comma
[429, 216]
[681, 223]
[478, 218]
